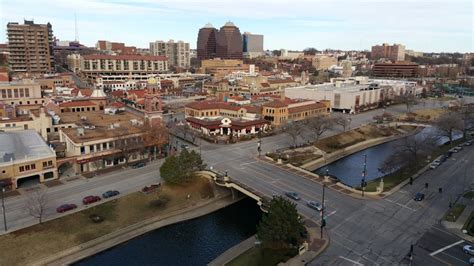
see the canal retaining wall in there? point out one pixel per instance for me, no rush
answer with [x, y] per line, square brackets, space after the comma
[105, 242]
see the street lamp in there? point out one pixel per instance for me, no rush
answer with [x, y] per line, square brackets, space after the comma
[364, 175]
[323, 220]
[3, 209]
[259, 148]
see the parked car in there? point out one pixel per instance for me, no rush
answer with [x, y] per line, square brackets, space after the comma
[90, 199]
[292, 195]
[467, 143]
[419, 196]
[184, 146]
[458, 148]
[453, 150]
[434, 165]
[66, 207]
[471, 261]
[315, 205]
[110, 193]
[443, 158]
[468, 249]
[138, 165]
[151, 188]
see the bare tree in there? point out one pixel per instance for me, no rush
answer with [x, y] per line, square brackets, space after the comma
[466, 113]
[154, 135]
[293, 130]
[125, 144]
[407, 99]
[448, 123]
[319, 125]
[36, 203]
[341, 120]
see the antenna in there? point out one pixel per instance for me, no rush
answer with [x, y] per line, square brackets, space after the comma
[75, 28]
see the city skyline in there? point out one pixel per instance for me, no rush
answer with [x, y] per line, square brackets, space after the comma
[321, 24]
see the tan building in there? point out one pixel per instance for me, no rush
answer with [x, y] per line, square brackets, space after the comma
[278, 112]
[395, 52]
[323, 62]
[35, 119]
[25, 156]
[176, 52]
[58, 80]
[23, 92]
[31, 47]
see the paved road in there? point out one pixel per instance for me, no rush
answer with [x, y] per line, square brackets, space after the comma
[126, 181]
[439, 247]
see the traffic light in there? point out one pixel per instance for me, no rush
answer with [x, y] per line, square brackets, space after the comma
[323, 223]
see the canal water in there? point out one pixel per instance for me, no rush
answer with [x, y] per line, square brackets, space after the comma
[194, 242]
[350, 168]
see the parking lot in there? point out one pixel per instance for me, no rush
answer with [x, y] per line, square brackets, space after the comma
[439, 247]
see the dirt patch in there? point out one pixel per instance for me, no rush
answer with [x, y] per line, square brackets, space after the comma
[53, 183]
[424, 115]
[355, 136]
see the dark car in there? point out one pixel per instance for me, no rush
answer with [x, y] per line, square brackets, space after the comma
[184, 146]
[138, 165]
[293, 195]
[110, 193]
[443, 158]
[419, 196]
[66, 207]
[90, 199]
[315, 205]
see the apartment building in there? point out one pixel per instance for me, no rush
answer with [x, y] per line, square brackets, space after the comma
[395, 52]
[31, 48]
[25, 156]
[177, 52]
[395, 70]
[24, 92]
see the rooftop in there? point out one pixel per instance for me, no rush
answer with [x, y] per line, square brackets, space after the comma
[24, 144]
[124, 57]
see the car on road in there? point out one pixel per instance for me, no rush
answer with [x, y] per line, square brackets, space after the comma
[471, 261]
[419, 196]
[110, 193]
[138, 165]
[467, 143]
[457, 148]
[184, 146]
[314, 205]
[292, 195]
[66, 207]
[90, 199]
[435, 164]
[443, 158]
[468, 249]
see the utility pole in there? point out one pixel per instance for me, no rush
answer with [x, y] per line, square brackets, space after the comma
[3, 209]
[259, 148]
[364, 175]
[323, 220]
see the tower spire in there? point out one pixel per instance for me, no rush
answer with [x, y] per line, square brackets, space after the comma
[76, 33]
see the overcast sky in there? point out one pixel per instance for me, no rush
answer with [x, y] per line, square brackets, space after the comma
[421, 25]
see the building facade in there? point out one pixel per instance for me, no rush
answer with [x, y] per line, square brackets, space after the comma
[395, 70]
[252, 45]
[176, 52]
[115, 47]
[25, 156]
[25, 92]
[395, 52]
[207, 42]
[229, 42]
[31, 47]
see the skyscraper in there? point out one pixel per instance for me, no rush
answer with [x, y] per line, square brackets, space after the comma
[206, 43]
[229, 42]
[176, 52]
[394, 52]
[31, 47]
[252, 45]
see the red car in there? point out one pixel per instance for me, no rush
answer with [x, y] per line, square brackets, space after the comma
[65, 208]
[90, 199]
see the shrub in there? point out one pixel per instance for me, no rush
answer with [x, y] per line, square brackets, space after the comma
[160, 202]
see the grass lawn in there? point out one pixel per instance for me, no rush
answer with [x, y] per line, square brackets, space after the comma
[453, 214]
[24, 246]
[469, 195]
[469, 225]
[355, 136]
[259, 256]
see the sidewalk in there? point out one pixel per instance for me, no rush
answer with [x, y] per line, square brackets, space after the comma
[457, 226]
[234, 252]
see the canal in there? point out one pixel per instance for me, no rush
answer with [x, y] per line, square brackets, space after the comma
[350, 168]
[193, 242]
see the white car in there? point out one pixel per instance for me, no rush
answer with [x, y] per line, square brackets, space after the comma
[471, 261]
[434, 165]
[468, 249]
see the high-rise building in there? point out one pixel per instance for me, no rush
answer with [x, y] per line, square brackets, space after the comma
[176, 52]
[229, 42]
[252, 45]
[115, 47]
[31, 47]
[207, 42]
[395, 52]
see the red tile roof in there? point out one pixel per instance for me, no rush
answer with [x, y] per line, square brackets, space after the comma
[77, 104]
[117, 104]
[306, 107]
[125, 57]
[203, 105]
[275, 104]
[138, 93]
[118, 93]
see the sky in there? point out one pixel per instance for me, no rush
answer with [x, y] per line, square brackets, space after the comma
[421, 25]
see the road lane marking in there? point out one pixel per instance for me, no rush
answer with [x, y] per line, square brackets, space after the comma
[454, 257]
[446, 247]
[352, 261]
[401, 205]
[331, 213]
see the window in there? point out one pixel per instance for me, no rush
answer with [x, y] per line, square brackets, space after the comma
[22, 168]
[45, 164]
[9, 93]
[50, 163]
[25, 126]
[15, 93]
[27, 93]
[91, 148]
[104, 146]
[33, 166]
[27, 168]
[83, 150]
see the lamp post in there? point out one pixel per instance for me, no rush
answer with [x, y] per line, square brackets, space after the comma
[3, 209]
[259, 148]
[364, 175]
[323, 220]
